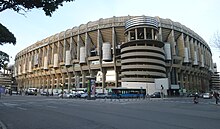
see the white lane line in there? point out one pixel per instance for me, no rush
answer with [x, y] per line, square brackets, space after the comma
[9, 104]
[24, 109]
[74, 105]
[2, 125]
[51, 106]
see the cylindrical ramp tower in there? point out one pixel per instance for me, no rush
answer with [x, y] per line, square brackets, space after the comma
[142, 55]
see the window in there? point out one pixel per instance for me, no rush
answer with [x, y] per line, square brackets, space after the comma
[132, 35]
[140, 33]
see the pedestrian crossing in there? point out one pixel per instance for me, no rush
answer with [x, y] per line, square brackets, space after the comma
[52, 103]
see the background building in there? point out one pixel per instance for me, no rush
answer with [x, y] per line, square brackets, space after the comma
[7, 78]
[215, 81]
[118, 51]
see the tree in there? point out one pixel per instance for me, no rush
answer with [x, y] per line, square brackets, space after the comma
[6, 36]
[49, 6]
[4, 59]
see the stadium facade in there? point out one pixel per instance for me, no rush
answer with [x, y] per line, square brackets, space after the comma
[118, 51]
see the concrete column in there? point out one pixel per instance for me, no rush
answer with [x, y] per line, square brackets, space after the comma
[114, 41]
[58, 82]
[58, 50]
[83, 79]
[181, 80]
[69, 81]
[77, 79]
[33, 82]
[92, 73]
[145, 33]
[43, 55]
[103, 78]
[72, 48]
[53, 82]
[44, 82]
[99, 44]
[87, 45]
[136, 34]
[48, 83]
[192, 49]
[25, 83]
[128, 37]
[171, 40]
[197, 81]
[78, 46]
[188, 46]
[52, 52]
[116, 77]
[63, 80]
[64, 48]
[190, 81]
[39, 82]
[152, 34]
[186, 81]
[160, 34]
[28, 83]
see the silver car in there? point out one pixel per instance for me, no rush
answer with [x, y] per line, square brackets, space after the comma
[207, 96]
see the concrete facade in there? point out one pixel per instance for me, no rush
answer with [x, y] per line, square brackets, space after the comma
[137, 48]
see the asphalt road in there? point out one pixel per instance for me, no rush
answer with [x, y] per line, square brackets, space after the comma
[37, 112]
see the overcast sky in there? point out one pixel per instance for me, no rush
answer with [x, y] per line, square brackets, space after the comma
[201, 16]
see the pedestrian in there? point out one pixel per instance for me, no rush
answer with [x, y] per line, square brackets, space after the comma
[216, 95]
[195, 99]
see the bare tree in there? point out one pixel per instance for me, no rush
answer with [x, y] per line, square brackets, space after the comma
[215, 41]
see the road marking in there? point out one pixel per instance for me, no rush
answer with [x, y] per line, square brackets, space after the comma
[76, 105]
[2, 125]
[51, 106]
[9, 104]
[22, 108]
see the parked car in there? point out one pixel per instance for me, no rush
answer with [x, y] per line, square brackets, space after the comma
[55, 93]
[103, 95]
[201, 95]
[190, 94]
[83, 95]
[155, 95]
[66, 95]
[207, 96]
[31, 91]
[43, 93]
[15, 92]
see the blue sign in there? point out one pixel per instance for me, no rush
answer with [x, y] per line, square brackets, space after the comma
[2, 89]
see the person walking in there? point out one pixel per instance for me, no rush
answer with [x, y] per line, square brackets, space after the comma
[196, 98]
[216, 95]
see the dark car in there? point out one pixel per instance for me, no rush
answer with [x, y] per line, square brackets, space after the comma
[191, 94]
[155, 95]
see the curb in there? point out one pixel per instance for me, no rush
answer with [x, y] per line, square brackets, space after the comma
[2, 126]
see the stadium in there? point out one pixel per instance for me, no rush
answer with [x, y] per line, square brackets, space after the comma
[127, 51]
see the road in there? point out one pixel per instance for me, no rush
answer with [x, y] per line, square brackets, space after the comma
[40, 112]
